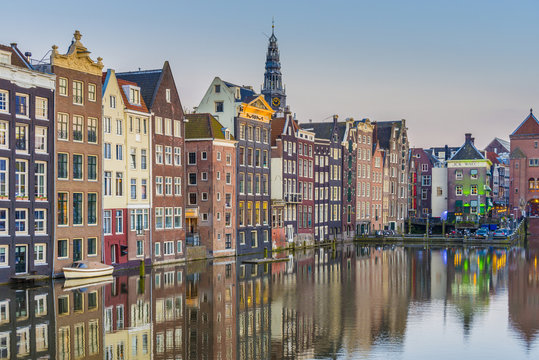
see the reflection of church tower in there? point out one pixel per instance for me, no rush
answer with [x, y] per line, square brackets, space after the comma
[272, 89]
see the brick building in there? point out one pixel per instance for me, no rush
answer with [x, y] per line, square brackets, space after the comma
[211, 184]
[78, 146]
[524, 168]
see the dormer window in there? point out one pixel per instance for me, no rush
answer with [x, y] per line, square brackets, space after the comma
[5, 57]
[227, 134]
[134, 96]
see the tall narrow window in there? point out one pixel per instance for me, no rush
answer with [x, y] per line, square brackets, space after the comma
[21, 104]
[40, 139]
[77, 128]
[21, 179]
[4, 188]
[4, 134]
[119, 184]
[92, 130]
[77, 167]
[77, 208]
[40, 171]
[92, 167]
[92, 208]
[77, 92]
[133, 188]
[133, 158]
[21, 137]
[63, 132]
[42, 108]
[143, 159]
[62, 208]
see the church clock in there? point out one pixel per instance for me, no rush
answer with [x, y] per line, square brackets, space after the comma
[276, 101]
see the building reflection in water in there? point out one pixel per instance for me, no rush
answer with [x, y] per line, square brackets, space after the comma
[352, 300]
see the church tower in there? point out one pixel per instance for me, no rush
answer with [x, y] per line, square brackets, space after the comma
[273, 90]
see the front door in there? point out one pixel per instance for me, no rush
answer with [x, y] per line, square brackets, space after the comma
[77, 249]
[20, 259]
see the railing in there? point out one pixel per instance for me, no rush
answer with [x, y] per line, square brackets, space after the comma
[293, 197]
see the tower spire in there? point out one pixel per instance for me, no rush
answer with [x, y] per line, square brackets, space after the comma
[273, 89]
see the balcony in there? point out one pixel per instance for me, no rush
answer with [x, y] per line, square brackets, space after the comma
[293, 198]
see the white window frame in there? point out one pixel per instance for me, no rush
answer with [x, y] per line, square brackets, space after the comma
[24, 221]
[44, 221]
[40, 256]
[42, 108]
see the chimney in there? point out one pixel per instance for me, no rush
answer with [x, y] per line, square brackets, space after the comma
[473, 140]
[310, 121]
[28, 54]
[335, 117]
[468, 137]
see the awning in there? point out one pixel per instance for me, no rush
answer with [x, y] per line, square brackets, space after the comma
[191, 213]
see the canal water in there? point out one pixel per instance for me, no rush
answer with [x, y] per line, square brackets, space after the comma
[352, 302]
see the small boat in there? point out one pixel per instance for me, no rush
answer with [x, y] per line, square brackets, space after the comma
[85, 283]
[87, 269]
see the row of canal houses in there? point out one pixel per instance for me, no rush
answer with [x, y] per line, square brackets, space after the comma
[100, 165]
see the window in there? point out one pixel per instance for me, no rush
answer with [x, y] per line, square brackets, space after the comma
[40, 185]
[134, 96]
[204, 155]
[77, 208]
[21, 171]
[21, 218]
[77, 92]
[177, 217]
[177, 186]
[204, 196]
[77, 128]
[168, 186]
[192, 158]
[4, 221]
[425, 180]
[217, 88]
[133, 188]
[62, 208]
[92, 130]
[40, 139]
[107, 183]
[92, 246]
[21, 104]
[4, 189]
[228, 159]
[143, 159]
[458, 190]
[107, 151]
[169, 248]
[241, 183]
[158, 125]
[473, 190]
[473, 173]
[40, 217]
[228, 178]
[143, 189]
[62, 251]
[119, 184]
[158, 154]
[107, 222]
[192, 198]
[42, 108]
[112, 100]
[424, 193]
[158, 219]
[21, 137]
[168, 155]
[168, 218]
[39, 255]
[177, 156]
[119, 219]
[63, 124]
[228, 200]
[177, 128]
[159, 185]
[92, 167]
[228, 219]
[254, 239]
[219, 107]
[92, 208]
[4, 134]
[168, 127]
[62, 86]
[4, 101]
[140, 248]
[77, 167]
[133, 158]
[192, 178]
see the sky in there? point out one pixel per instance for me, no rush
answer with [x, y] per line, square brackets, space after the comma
[447, 67]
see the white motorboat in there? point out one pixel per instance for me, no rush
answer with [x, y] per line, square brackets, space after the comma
[87, 269]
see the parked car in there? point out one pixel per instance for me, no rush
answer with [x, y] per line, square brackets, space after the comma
[481, 233]
[501, 233]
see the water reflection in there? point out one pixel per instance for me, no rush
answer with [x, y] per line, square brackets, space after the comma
[354, 301]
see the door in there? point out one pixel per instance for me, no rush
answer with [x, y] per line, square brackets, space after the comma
[77, 249]
[20, 259]
[113, 254]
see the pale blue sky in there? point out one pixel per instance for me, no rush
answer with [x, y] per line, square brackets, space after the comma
[446, 67]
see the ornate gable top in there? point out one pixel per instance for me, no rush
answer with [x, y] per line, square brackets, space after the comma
[77, 57]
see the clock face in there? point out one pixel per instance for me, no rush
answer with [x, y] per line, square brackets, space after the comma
[276, 101]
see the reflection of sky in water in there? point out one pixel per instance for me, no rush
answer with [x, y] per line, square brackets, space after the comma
[349, 303]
